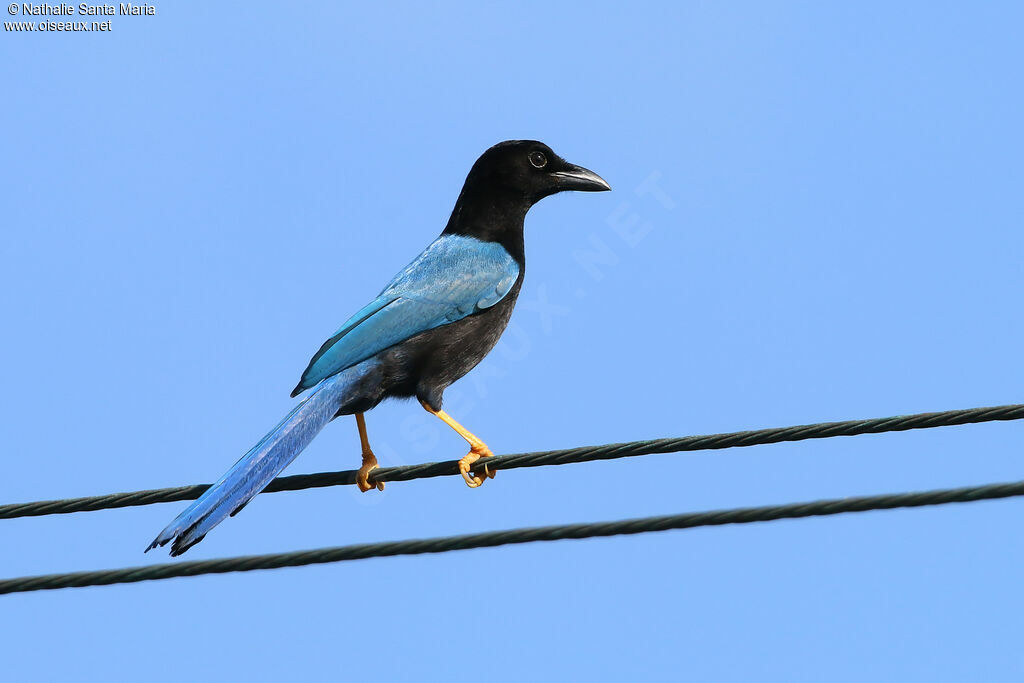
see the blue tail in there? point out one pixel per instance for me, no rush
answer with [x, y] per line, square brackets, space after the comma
[262, 463]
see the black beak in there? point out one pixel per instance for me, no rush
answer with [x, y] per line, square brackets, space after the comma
[580, 179]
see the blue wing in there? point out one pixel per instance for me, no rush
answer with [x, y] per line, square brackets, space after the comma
[454, 277]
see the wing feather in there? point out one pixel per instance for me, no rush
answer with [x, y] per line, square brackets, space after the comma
[454, 277]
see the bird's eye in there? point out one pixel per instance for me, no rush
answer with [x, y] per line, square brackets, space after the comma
[538, 160]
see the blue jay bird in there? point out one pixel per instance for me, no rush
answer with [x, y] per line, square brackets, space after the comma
[431, 325]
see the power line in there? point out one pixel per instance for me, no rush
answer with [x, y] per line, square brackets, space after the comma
[512, 536]
[821, 430]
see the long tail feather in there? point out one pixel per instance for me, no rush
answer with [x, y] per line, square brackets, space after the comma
[264, 461]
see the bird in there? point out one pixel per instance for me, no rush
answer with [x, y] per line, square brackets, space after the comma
[432, 323]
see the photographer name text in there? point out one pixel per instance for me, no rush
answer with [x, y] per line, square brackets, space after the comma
[84, 9]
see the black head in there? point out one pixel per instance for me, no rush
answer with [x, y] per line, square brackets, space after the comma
[505, 182]
[531, 170]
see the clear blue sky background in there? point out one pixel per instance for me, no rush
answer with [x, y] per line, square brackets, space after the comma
[194, 201]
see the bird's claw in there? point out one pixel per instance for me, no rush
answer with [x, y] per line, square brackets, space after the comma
[363, 477]
[466, 464]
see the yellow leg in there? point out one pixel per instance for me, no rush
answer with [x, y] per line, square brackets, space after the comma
[369, 459]
[477, 448]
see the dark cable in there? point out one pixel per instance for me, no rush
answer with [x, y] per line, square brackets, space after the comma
[821, 430]
[498, 538]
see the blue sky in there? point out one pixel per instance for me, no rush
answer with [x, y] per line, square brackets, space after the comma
[817, 216]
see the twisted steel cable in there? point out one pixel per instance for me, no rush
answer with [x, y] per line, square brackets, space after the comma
[512, 536]
[821, 430]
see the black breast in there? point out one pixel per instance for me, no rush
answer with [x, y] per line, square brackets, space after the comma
[426, 364]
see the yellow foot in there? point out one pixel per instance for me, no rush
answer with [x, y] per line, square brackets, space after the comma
[363, 475]
[465, 465]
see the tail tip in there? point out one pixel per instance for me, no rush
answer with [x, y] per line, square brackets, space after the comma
[157, 543]
[182, 544]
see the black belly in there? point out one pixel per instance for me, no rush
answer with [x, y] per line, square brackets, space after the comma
[426, 364]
